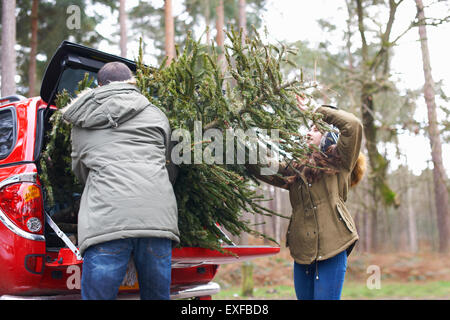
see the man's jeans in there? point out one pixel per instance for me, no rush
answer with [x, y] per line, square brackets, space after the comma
[105, 265]
[331, 274]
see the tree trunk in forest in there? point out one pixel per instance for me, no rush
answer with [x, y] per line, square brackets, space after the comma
[276, 219]
[123, 28]
[170, 32]
[8, 55]
[366, 236]
[269, 221]
[368, 218]
[374, 231]
[439, 175]
[402, 244]
[243, 19]
[247, 279]
[431, 208]
[369, 75]
[220, 37]
[403, 212]
[33, 47]
[374, 159]
[412, 226]
[207, 9]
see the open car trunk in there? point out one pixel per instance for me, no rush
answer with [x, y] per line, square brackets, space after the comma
[66, 69]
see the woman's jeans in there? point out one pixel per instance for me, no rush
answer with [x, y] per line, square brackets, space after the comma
[330, 274]
[105, 266]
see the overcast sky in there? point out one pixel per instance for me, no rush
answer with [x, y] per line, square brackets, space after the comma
[294, 20]
[297, 20]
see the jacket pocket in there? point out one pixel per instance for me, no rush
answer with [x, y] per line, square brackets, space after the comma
[159, 248]
[344, 218]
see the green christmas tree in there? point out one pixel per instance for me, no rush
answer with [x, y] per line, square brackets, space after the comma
[252, 93]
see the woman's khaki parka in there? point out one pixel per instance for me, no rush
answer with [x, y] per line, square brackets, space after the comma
[321, 226]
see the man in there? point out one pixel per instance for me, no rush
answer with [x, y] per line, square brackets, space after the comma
[128, 207]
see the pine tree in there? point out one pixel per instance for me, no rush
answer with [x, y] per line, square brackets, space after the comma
[193, 88]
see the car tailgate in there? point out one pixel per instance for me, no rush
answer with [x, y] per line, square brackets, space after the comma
[192, 256]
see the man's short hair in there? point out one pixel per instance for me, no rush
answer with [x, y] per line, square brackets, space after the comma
[113, 71]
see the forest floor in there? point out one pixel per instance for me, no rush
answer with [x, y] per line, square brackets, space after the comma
[402, 276]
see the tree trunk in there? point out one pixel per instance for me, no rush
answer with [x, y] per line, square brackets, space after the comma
[367, 232]
[412, 226]
[247, 279]
[123, 28]
[220, 37]
[276, 219]
[367, 218]
[375, 160]
[269, 221]
[431, 208]
[33, 46]
[242, 19]
[369, 65]
[170, 32]
[207, 9]
[8, 56]
[439, 175]
[368, 74]
[374, 231]
[402, 215]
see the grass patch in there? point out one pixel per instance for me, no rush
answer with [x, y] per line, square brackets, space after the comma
[269, 292]
[398, 290]
[352, 290]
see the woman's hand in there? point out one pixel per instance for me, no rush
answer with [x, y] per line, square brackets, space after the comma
[301, 102]
[290, 180]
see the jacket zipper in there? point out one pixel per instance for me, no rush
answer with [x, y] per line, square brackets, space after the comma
[314, 208]
[317, 254]
[317, 231]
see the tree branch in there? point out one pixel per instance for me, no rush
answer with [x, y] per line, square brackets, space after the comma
[360, 13]
[385, 44]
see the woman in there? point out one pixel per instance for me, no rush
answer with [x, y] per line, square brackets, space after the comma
[321, 232]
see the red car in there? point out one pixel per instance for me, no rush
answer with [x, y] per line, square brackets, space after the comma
[30, 266]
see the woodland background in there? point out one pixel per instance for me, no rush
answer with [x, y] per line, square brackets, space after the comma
[396, 211]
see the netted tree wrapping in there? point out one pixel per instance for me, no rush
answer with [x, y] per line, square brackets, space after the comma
[252, 93]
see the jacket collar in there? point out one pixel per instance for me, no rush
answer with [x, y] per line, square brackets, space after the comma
[84, 92]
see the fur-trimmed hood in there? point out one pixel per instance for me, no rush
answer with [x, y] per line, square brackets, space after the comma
[106, 106]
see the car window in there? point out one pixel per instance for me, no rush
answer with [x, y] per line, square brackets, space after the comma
[7, 132]
[71, 77]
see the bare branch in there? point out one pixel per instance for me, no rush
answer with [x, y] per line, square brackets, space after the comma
[385, 44]
[360, 13]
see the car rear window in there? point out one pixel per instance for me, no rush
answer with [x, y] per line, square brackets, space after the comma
[71, 77]
[7, 132]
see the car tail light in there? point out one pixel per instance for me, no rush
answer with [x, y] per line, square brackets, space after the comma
[22, 203]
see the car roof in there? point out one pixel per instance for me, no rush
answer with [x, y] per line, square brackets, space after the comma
[75, 56]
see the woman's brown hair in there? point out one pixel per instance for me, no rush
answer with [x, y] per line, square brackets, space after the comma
[359, 170]
[319, 163]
